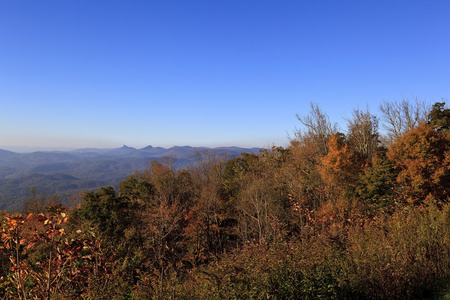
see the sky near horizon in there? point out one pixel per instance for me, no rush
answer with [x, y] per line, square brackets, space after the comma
[208, 73]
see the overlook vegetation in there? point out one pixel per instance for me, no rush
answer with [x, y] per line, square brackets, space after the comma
[335, 215]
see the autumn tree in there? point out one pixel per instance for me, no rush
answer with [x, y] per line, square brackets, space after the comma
[210, 221]
[236, 176]
[339, 170]
[260, 195]
[34, 203]
[45, 260]
[163, 221]
[306, 152]
[306, 184]
[422, 157]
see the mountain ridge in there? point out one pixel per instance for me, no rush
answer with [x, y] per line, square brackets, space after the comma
[64, 172]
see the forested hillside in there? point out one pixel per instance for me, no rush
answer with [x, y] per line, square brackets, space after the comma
[338, 214]
[65, 174]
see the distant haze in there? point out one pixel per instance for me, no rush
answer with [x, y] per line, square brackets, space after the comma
[66, 173]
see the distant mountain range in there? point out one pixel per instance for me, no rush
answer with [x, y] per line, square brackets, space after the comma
[67, 172]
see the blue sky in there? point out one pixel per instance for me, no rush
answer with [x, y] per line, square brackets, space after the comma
[208, 73]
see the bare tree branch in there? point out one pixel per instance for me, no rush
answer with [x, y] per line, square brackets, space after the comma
[318, 128]
[400, 117]
[363, 133]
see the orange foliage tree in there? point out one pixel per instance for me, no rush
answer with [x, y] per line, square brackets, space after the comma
[45, 261]
[339, 168]
[422, 156]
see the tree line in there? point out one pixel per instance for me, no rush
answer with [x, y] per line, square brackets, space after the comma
[353, 215]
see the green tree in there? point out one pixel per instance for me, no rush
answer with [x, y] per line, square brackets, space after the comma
[439, 117]
[109, 214]
[378, 182]
[137, 187]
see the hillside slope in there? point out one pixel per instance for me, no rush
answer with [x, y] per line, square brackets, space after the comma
[67, 172]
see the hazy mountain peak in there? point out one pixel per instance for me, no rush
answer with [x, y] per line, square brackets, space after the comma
[126, 147]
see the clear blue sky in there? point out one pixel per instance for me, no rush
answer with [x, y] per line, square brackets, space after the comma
[208, 73]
